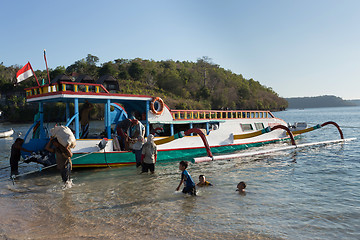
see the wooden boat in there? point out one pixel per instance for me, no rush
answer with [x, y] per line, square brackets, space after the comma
[6, 133]
[180, 134]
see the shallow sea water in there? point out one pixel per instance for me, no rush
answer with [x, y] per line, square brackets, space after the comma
[307, 193]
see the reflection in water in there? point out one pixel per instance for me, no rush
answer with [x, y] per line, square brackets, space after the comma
[66, 208]
[293, 156]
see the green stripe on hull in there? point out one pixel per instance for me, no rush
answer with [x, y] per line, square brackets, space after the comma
[128, 158]
[109, 158]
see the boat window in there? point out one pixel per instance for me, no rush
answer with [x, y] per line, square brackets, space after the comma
[259, 126]
[81, 88]
[246, 127]
[214, 126]
[69, 87]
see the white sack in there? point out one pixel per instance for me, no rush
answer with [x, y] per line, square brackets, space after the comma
[64, 135]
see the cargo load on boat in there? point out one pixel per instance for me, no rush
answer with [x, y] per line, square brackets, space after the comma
[64, 135]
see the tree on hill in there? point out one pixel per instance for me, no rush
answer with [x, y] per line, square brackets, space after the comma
[188, 85]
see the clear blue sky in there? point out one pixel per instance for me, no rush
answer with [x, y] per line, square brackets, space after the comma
[298, 48]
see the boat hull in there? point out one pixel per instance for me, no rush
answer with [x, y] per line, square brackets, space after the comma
[6, 134]
[124, 158]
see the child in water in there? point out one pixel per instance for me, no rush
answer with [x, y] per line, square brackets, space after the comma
[202, 181]
[241, 187]
[189, 184]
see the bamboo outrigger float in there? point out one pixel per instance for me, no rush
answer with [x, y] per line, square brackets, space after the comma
[180, 133]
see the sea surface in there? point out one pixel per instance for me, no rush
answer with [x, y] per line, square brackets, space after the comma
[306, 193]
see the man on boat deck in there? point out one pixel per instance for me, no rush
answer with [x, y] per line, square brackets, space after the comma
[63, 159]
[122, 131]
[137, 139]
[16, 149]
[84, 118]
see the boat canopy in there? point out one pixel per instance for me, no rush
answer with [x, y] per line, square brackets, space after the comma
[76, 93]
[119, 106]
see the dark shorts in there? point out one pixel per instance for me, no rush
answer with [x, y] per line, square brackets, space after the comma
[190, 190]
[65, 172]
[148, 166]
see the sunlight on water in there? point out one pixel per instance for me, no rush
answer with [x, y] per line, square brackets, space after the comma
[308, 193]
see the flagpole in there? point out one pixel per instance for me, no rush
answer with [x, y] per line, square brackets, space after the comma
[46, 66]
[34, 74]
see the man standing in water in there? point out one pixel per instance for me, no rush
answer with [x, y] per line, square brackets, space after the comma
[63, 159]
[84, 119]
[16, 149]
[149, 155]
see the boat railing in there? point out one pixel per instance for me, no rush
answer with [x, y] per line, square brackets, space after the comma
[218, 114]
[64, 87]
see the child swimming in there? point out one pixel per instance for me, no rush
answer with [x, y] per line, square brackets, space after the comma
[202, 181]
[241, 187]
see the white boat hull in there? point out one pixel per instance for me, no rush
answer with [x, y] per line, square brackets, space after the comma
[6, 134]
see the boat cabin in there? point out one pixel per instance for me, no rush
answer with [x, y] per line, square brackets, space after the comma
[61, 78]
[157, 118]
[84, 78]
[109, 82]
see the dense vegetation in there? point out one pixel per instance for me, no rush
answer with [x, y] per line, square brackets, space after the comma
[182, 85]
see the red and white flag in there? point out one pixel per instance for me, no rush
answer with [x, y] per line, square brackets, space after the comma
[24, 73]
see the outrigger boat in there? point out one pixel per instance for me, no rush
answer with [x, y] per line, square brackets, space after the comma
[179, 133]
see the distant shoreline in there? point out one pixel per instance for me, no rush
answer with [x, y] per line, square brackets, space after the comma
[320, 102]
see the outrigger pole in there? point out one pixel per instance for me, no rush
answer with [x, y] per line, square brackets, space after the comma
[188, 132]
[268, 129]
[263, 152]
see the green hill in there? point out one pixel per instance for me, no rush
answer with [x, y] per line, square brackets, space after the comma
[183, 85]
